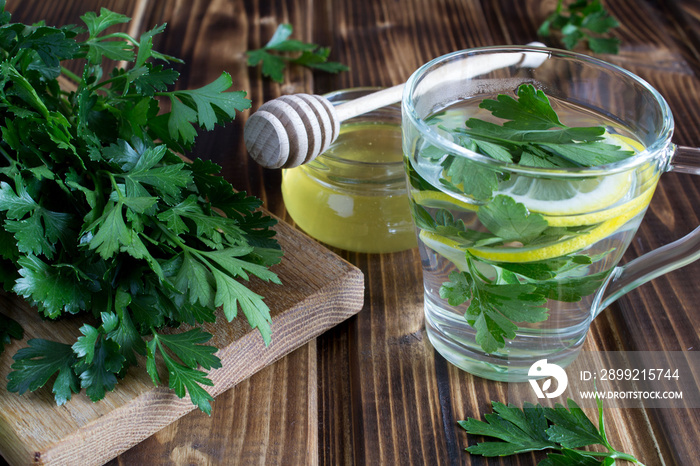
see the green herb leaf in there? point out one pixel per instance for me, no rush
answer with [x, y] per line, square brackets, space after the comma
[583, 20]
[573, 458]
[184, 377]
[531, 110]
[511, 221]
[533, 135]
[96, 24]
[54, 289]
[572, 428]
[518, 295]
[207, 106]
[469, 177]
[521, 430]
[37, 363]
[534, 428]
[98, 368]
[494, 309]
[280, 50]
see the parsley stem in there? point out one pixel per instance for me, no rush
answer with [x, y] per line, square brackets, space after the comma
[120, 35]
[105, 82]
[476, 273]
[618, 455]
[176, 240]
[12, 161]
[69, 74]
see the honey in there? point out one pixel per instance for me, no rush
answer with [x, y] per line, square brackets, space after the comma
[353, 196]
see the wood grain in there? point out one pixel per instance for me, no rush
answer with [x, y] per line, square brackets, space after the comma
[382, 395]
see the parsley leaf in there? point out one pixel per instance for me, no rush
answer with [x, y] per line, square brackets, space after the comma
[511, 221]
[99, 216]
[583, 20]
[521, 430]
[37, 363]
[98, 369]
[534, 135]
[184, 376]
[520, 290]
[494, 307]
[475, 180]
[280, 50]
[571, 428]
[534, 427]
[203, 106]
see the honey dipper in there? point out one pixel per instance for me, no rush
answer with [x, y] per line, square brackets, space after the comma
[293, 129]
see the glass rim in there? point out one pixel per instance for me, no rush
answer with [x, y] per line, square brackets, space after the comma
[663, 133]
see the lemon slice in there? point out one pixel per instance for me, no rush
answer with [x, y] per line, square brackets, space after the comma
[441, 200]
[456, 253]
[447, 248]
[568, 246]
[648, 182]
[565, 203]
[554, 197]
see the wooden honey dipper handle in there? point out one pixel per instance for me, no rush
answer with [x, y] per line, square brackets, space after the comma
[293, 129]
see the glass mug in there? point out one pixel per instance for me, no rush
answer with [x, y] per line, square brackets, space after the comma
[518, 259]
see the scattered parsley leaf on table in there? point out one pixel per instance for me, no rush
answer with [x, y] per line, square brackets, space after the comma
[584, 20]
[281, 50]
[534, 428]
[100, 216]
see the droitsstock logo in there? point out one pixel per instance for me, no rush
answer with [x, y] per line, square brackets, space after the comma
[541, 369]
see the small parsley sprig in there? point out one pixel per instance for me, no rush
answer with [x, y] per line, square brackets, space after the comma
[519, 291]
[583, 20]
[281, 50]
[100, 217]
[565, 429]
[531, 135]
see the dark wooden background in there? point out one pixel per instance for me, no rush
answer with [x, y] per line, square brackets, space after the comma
[372, 390]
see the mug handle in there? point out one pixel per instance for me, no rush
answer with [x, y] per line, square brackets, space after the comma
[662, 260]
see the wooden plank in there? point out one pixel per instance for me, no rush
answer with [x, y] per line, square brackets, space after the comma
[319, 291]
[270, 418]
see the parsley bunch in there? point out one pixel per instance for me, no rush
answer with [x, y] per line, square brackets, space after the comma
[100, 217]
[583, 20]
[534, 427]
[281, 50]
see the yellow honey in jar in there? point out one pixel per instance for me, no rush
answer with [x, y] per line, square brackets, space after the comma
[353, 196]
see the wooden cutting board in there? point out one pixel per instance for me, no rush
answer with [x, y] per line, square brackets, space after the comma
[319, 291]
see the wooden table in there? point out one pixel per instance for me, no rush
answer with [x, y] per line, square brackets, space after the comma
[372, 390]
